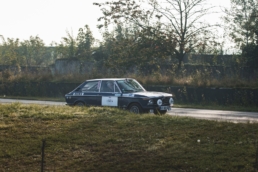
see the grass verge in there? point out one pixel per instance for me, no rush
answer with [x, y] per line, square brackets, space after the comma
[109, 139]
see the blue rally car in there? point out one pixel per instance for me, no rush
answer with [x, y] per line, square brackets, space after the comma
[125, 93]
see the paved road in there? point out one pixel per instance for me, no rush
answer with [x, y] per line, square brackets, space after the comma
[31, 102]
[218, 115]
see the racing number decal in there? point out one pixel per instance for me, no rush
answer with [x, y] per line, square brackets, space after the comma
[109, 101]
[78, 94]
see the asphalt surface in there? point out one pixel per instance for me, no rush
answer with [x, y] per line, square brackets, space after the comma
[216, 115]
[32, 102]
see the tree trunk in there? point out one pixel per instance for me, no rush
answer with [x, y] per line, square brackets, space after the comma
[180, 59]
[179, 64]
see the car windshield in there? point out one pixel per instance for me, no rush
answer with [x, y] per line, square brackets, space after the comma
[129, 85]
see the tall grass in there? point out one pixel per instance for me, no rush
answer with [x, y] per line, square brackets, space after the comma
[197, 78]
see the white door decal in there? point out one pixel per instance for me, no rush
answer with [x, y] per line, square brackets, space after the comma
[109, 101]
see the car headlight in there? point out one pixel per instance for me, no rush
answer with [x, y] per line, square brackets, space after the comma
[159, 102]
[150, 102]
[171, 101]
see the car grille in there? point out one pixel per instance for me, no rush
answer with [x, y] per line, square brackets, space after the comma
[165, 100]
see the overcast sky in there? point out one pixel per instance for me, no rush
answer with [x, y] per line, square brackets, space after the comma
[50, 19]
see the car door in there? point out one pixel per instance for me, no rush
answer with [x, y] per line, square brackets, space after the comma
[89, 93]
[110, 93]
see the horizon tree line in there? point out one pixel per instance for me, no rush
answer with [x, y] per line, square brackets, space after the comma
[145, 35]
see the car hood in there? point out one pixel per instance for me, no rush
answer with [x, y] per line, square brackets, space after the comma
[151, 94]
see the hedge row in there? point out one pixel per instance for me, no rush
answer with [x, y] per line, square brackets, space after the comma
[220, 96]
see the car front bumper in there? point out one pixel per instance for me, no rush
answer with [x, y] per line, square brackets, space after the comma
[159, 108]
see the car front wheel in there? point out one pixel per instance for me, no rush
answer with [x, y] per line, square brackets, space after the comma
[135, 108]
[79, 104]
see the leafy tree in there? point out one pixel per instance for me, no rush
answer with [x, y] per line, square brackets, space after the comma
[68, 46]
[29, 52]
[9, 52]
[85, 40]
[242, 23]
[34, 51]
[79, 47]
[128, 47]
[177, 23]
[251, 50]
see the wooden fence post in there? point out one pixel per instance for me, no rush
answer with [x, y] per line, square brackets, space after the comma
[42, 155]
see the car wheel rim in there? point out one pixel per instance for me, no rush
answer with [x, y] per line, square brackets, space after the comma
[134, 109]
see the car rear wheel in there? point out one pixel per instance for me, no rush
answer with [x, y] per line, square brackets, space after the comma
[135, 108]
[79, 104]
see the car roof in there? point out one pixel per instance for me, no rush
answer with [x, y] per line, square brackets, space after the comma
[103, 79]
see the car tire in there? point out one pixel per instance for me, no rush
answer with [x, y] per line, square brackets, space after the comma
[79, 104]
[135, 108]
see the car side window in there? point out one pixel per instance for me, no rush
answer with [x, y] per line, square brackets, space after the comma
[92, 86]
[107, 86]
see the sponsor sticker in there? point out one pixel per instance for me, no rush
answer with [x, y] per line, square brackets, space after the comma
[109, 101]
